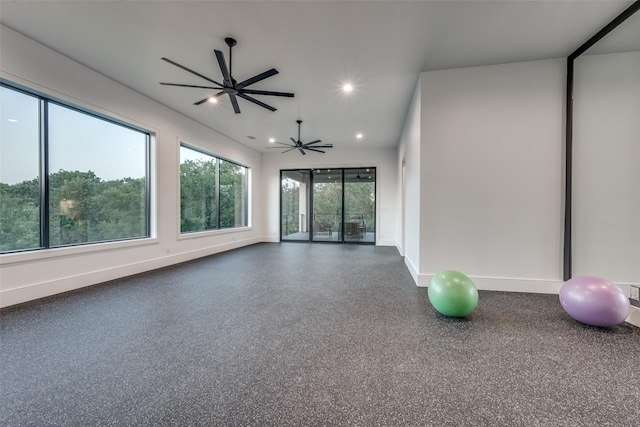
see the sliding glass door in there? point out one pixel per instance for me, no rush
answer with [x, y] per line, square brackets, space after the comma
[326, 199]
[328, 205]
[360, 205]
[294, 205]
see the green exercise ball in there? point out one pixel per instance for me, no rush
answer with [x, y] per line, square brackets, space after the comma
[453, 293]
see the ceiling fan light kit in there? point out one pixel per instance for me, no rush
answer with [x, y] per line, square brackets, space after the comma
[229, 85]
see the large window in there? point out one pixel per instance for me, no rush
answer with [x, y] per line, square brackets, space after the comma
[19, 171]
[213, 192]
[68, 177]
[233, 195]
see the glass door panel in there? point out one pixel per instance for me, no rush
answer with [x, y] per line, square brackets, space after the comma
[327, 205]
[294, 196]
[360, 205]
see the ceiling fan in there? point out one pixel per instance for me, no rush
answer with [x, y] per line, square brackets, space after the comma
[229, 85]
[302, 146]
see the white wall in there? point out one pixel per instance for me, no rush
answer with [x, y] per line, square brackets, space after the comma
[409, 154]
[491, 174]
[386, 173]
[36, 274]
[606, 167]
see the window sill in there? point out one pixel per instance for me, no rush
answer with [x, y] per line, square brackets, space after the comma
[209, 233]
[45, 254]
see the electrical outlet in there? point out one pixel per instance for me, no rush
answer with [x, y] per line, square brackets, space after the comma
[634, 292]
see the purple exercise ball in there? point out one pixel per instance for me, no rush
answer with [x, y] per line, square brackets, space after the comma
[594, 301]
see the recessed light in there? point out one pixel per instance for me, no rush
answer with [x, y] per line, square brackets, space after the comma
[347, 88]
[272, 140]
[359, 136]
[213, 100]
[13, 120]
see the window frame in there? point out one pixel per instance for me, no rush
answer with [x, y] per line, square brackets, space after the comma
[247, 192]
[28, 254]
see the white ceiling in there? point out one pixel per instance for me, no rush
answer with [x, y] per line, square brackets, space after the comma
[378, 46]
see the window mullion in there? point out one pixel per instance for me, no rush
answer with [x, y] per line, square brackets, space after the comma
[44, 174]
[343, 216]
[147, 187]
[217, 198]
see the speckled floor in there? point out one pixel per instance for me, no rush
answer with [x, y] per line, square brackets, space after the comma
[307, 335]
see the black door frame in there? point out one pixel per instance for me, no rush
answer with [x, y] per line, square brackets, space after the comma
[309, 219]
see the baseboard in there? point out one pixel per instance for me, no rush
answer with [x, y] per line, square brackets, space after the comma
[386, 242]
[506, 284]
[412, 270]
[35, 291]
[634, 316]
[381, 242]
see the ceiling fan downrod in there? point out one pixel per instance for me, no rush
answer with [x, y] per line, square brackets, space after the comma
[231, 42]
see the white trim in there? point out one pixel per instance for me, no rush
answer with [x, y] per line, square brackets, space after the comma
[34, 291]
[386, 242]
[209, 233]
[276, 239]
[634, 316]
[64, 251]
[506, 284]
[413, 271]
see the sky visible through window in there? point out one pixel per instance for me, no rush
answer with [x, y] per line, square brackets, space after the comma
[187, 153]
[19, 137]
[78, 142]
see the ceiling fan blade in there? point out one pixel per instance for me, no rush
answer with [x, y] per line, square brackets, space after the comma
[302, 151]
[266, 92]
[286, 151]
[282, 143]
[207, 98]
[255, 101]
[181, 85]
[313, 149]
[234, 102]
[321, 146]
[294, 141]
[280, 148]
[257, 78]
[310, 143]
[191, 71]
[223, 67]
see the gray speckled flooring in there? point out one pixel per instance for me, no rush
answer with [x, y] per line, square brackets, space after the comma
[307, 334]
